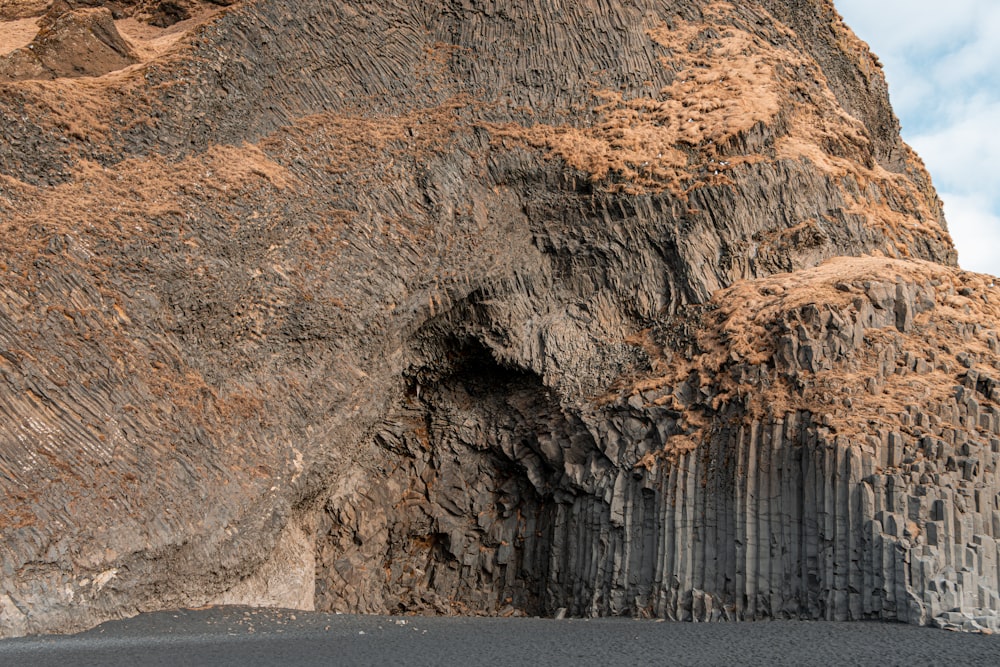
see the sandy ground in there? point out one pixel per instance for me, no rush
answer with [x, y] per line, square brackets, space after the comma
[148, 41]
[16, 34]
[239, 636]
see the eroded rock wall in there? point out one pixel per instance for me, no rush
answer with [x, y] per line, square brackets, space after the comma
[705, 493]
[360, 288]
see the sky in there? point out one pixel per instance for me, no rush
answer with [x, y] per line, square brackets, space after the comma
[942, 61]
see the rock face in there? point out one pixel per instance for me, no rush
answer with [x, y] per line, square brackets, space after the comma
[498, 307]
[82, 43]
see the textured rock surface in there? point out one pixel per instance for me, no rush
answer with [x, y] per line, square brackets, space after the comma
[409, 306]
[80, 43]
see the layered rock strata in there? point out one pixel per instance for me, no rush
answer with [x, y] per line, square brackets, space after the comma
[502, 307]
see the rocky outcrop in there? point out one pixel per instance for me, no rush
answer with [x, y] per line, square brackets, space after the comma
[827, 447]
[81, 43]
[354, 306]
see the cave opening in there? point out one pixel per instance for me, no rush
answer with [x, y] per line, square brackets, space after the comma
[466, 517]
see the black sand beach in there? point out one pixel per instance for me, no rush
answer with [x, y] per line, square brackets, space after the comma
[248, 637]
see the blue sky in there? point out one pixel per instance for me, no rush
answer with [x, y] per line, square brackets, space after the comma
[942, 61]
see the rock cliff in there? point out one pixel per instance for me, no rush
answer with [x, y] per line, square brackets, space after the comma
[480, 306]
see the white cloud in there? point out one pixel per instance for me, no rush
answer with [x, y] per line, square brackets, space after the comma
[943, 67]
[964, 156]
[911, 25]
[975, 230]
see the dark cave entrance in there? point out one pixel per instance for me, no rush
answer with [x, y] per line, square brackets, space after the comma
[466, 518]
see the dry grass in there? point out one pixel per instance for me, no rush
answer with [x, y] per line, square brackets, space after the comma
[17, 34]
[82, 107]
[742, 331]
[343, 140]
[730, 83]
[676, 140]
[118, 204]
[151, 42]
[19, 25]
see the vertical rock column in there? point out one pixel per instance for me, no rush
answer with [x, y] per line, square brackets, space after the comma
[776, 519]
